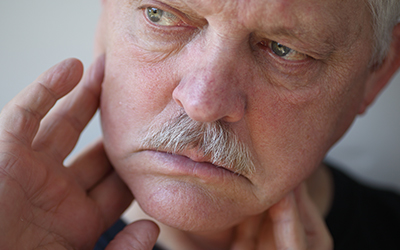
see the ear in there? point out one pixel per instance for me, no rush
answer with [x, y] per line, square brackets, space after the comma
[381, 75]
[100, 36]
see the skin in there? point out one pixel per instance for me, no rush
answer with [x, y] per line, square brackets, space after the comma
[208, 92]
[45, 205]
[213, 64]
[302, 110]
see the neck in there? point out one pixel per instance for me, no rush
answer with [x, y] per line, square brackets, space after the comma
[179, 240]
[320, 188]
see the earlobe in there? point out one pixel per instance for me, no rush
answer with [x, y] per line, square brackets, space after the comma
[380, 76]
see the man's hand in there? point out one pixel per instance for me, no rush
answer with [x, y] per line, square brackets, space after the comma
[44, 205]
[293, 223]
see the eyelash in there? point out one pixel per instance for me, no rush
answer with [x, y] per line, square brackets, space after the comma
[268, 45]
[184, 23]
[284, 66]
[168, 18]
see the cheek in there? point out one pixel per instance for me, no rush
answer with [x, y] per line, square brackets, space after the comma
[134, 93]
[285, 137]
[293, 130]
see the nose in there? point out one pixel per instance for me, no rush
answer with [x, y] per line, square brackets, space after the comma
[211, 88]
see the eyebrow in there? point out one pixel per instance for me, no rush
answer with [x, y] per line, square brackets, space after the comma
[308, 41]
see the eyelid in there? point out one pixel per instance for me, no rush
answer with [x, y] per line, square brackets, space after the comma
[302, 56]
[166, 8]
[267, 44]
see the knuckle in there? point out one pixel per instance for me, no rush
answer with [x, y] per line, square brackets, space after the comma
[73, 121]
[23, 123]
[47, 89]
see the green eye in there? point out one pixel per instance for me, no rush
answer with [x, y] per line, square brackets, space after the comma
[161, 17]
[154, 14]
[279, 49]
[286, 52]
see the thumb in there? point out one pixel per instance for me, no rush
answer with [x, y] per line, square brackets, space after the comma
[140, 235]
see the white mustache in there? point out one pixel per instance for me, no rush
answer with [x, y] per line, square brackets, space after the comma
[214, 140]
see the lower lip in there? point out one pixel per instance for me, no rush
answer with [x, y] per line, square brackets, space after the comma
[178, 165]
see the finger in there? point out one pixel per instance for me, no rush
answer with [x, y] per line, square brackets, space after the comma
[112, 197]
[246, 233]
[60, 130]
[315, 228]
[287, 227]
[140, 235]
[266, 238]
[21, 117]
[91, 166]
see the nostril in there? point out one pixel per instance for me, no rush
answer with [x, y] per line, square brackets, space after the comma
[175, 96]
[208, 94]
[179, 103]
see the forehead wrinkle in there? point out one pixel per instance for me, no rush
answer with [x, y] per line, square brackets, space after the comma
[256, 14]
[213, 7]
[181, 6]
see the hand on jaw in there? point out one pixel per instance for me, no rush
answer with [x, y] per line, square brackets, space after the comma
[43, 204]
[47, 205]
[292, 223]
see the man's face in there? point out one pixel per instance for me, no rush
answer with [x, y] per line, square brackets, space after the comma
[281, 79]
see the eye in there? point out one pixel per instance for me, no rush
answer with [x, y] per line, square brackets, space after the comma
[161, 17]
[286, 52]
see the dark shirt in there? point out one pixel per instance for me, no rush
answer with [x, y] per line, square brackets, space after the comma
[361, 218]
[110, 234]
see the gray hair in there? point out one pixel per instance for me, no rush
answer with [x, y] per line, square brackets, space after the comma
[385, 15]
[215, 141]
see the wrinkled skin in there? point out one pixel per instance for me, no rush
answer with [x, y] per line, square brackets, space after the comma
[288, 113]
[43, 204]
[215, 64]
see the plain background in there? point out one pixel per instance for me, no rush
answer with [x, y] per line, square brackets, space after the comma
[34, 35]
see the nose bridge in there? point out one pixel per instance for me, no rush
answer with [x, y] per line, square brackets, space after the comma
[209, 89]
[215, 71]
[215, 57]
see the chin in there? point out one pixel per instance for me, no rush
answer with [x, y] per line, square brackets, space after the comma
[187, 206]
[186, 195]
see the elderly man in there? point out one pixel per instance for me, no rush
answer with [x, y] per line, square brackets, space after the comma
[216, 116]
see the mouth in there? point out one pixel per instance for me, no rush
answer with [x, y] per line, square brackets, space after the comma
[189, 163]
[197, 157]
